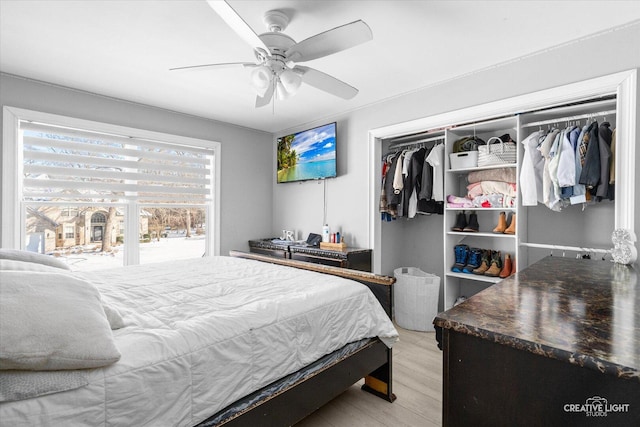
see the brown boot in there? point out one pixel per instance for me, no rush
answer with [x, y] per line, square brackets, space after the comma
[484, 264]
[496, 265]
[506, 269]
[502, 223]
[512, 225]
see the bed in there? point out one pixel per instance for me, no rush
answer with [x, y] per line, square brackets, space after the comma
[231, 340]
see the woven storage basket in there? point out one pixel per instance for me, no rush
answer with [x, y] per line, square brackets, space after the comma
[497, 154]
[415, 298]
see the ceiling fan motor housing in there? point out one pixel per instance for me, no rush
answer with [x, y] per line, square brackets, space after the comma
[277, 43]
[275, 20]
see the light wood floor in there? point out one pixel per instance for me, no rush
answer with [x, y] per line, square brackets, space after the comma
[417, 383]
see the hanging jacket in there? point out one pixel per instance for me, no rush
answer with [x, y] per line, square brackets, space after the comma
[571, 140]
[393, 198]
[555, 154]
[612, 171]
[412, 184]
[530, 181]
[604, 147]
[591, 168]
[579, 190]
[426, 182]
[567, 162]
[545, 151]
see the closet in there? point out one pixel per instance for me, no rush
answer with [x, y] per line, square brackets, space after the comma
[581, 229]
[464, 284]
[407, 239]
[568, 229]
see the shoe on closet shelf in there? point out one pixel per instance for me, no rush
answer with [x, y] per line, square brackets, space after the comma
[461, 254]
[496, 265]
[512, 225]
[502, 223]
[473, 225]
[473, 260]
[484, 262]
[506, 269]
[461, 222]
[459, 300]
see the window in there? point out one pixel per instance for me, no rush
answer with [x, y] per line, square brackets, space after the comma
[69, 232]
[110, 190]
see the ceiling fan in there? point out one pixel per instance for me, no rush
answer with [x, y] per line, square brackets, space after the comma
[274, 73]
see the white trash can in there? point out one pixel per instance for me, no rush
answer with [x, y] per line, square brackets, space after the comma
[415, 298]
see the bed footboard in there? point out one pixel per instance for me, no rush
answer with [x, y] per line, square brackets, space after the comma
[379, 285]
[379, 380]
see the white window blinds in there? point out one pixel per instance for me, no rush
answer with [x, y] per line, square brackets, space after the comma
[61, 164]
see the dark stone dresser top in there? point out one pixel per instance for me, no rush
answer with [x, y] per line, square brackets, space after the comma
[580, 311]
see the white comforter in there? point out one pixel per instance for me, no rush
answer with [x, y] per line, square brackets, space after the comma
[203, 333]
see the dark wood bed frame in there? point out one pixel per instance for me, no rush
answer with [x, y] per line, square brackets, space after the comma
[373, 362]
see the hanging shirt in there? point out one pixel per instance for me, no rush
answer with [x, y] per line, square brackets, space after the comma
[545, 149]
[436, 160]
[555, 153]
[530, 182]
[567, 162]
[414, 178]
[578, 190]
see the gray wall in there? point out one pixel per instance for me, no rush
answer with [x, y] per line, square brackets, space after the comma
[253, 205]
[245, 197]
[300, 206]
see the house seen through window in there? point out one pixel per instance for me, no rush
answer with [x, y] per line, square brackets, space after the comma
[99, 199]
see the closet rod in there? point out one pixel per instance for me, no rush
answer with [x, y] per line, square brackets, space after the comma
[419, 141]
[566, 248]
[566, 119]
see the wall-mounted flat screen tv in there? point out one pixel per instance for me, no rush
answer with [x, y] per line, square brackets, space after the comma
[310, 154]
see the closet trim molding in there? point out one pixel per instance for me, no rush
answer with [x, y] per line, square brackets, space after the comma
[623, 84]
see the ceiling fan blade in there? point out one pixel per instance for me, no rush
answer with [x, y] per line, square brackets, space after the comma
[331, 41]
[237, 24]
[325, 82]
[220, 65]
[261, 101]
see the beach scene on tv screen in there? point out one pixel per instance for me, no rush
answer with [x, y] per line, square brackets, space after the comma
[307, 155]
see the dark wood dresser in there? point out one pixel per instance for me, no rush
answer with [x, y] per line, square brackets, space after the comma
[557, 344]
[352, 258]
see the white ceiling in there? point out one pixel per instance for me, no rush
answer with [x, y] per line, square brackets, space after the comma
[124, 49]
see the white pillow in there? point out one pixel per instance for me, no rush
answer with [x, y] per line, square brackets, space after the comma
[33, 257]
[112, 313]
[14, 264]
[51, 322]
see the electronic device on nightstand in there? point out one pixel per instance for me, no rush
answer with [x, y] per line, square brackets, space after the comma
[314, 239]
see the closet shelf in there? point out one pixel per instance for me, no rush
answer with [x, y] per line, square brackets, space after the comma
[481, 234]
[479, 168]
[480, 209]
[474, 277]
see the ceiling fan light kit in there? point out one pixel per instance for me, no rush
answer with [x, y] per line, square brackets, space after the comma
[276, 52]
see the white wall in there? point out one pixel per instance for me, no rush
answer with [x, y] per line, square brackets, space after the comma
[245, 188]
[300, 205]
